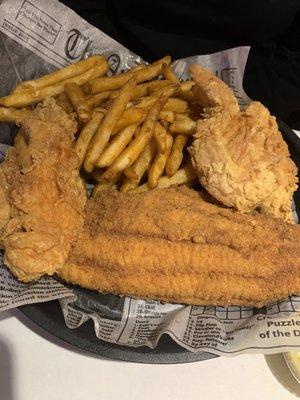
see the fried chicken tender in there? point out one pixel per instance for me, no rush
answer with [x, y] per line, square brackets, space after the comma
[172, 245]
[42, 199]
[240, 156]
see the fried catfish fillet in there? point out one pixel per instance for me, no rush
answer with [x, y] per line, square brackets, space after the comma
[172, 245]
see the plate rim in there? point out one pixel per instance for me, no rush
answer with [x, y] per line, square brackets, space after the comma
[174, 354]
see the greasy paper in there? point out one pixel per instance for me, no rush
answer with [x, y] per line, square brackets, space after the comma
[37, 37]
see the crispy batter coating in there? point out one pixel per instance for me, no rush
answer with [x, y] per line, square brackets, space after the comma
[172, 245]
[42, 198]
[240, 156]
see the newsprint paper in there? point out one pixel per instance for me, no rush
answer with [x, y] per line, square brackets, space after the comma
[37, 37]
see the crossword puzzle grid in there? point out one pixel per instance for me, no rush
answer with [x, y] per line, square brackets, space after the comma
[292, 304]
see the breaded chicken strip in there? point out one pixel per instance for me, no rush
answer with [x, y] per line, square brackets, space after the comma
[240, 156]
[41, 194]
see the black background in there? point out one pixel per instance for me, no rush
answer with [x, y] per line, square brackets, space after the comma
[155, 28]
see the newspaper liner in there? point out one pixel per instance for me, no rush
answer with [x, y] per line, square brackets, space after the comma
[38, 37]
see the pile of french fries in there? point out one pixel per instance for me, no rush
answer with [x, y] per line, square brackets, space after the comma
[133, 128]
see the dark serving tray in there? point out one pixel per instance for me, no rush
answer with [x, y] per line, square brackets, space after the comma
[49, 315]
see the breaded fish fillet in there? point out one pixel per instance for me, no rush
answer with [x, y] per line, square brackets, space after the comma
[172, 245]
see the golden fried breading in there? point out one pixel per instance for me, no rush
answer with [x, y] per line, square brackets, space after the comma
[40, 184]
[240, 156]
[172, 245]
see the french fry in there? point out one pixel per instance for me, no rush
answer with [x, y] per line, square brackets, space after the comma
[107, 83]
[60, 75]
[145, 102]
[146, 73]
[63, 100]
[176, 105]
[135, 148]
[153, 70]
[185, 91]
[132, 115]
[104, 131]
[136, 115]
[154, 86]
[159, 137]
[116, 147]
[168, 74]
[139, 91]
[187, 95]
[128, 185]
[157, 168]
[78, 101]
[180, 117]
[143, 89]
[186, 126]
[130, 172]
[87, 134]
[13, 115]
[186, 86]
[138, 68]
[137, 132]
[167, 116]
[175, 158]
[97, 99]
[139, 167]
[28, 97]
[173, 104]
[182, 176]
[168, 91]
